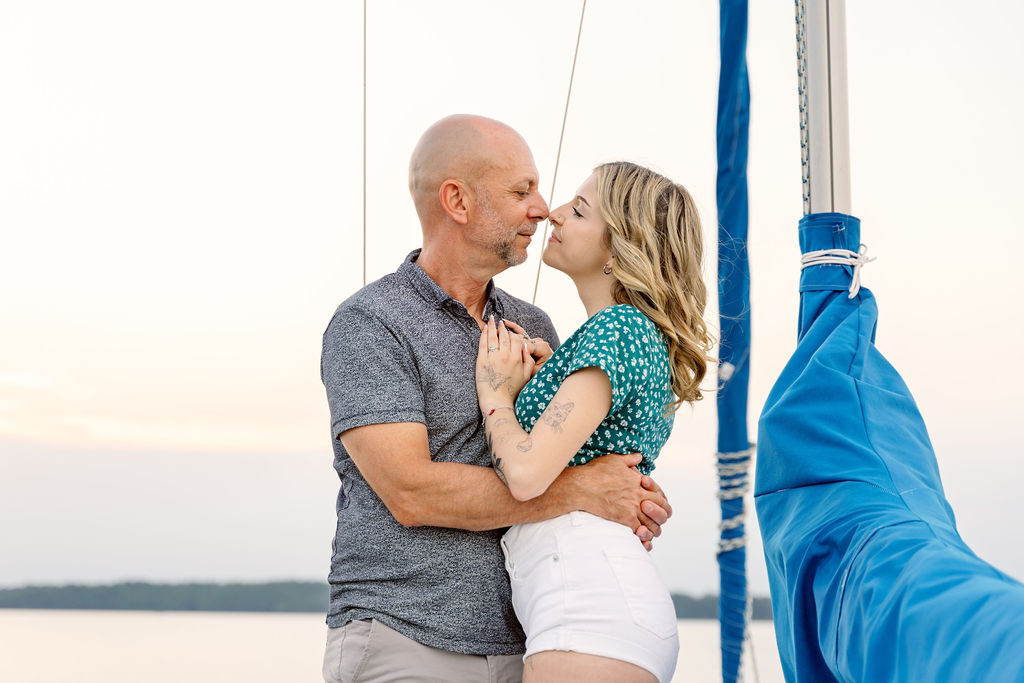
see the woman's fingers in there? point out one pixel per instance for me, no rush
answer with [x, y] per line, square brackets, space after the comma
[541, 350]
[484, 372]
[528, 362]
[492, 335]
[503, 336]
[515, 343]
[529, 368]
[481, 351]
[531, 342]
[515, 327]
[537, 347]
[504, 364]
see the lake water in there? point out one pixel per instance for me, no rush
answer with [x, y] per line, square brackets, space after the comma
[55, 646]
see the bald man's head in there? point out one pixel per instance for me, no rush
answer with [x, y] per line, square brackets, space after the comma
[475, 186]
[463, 147]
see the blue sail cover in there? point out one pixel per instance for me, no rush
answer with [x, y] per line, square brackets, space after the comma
[734, 310]
[870, 580]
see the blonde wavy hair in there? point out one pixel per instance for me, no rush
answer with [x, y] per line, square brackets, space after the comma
[655, 237]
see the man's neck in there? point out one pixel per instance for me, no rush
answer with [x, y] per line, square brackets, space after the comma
[458, 277]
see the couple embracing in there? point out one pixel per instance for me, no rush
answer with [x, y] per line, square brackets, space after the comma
[495, 490]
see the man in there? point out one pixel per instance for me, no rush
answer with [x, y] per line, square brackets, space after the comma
[418, 584]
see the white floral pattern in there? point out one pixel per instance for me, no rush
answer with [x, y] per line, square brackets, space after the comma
[630, 349]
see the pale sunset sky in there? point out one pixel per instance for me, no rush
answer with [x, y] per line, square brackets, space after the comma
[181, 210]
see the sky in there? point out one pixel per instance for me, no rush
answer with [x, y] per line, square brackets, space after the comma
[181, 212]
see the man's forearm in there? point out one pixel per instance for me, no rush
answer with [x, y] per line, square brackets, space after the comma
[395, 461]
[471, 497]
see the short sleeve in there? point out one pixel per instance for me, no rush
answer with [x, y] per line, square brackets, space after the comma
[369, 372]
[612, 343]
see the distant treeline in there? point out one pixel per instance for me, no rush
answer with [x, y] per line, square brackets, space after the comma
[282, 596]
[706, 607]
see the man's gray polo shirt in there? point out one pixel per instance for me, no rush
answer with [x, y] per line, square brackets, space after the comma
[402, 350]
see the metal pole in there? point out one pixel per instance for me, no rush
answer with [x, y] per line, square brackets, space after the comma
[824, 105]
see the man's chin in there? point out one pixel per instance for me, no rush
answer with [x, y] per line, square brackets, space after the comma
[517, 258]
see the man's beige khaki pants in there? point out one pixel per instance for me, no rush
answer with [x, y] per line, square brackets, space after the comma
[367, 651]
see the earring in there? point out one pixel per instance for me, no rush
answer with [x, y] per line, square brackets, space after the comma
[607, 270]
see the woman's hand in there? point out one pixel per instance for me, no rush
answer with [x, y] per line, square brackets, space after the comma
[503, 367]
[539, 349]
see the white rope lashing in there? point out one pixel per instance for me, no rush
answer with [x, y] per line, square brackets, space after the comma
[731, 523]
[839, 257]
[733, 469]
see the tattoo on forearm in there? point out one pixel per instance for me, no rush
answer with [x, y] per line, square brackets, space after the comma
[494, 379]
[501, 423]
[556, 414]
[525, 445]
[496, 464]
[496, 461]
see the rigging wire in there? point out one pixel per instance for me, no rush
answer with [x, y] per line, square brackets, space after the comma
[753, 657]
[561, 137]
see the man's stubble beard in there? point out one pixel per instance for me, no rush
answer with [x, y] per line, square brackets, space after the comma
[504, 237]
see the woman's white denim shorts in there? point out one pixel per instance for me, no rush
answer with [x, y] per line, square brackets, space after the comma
[584, 584]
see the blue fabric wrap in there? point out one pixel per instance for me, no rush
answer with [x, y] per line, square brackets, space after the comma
[734, 310]
[870, 580]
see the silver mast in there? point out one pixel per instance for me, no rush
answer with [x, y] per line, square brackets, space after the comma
[824, 105]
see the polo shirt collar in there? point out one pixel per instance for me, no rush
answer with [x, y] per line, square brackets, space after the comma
[437, 297]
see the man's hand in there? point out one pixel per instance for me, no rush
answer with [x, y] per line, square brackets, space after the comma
[652, 514]
[612, 488]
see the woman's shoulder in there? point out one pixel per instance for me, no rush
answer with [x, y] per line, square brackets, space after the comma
[621, 319]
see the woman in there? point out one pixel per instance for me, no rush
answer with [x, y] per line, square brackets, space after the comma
[586, 592]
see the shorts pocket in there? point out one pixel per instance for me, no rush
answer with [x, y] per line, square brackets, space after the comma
[646, 596]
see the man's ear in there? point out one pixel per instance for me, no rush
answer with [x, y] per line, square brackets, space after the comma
[454, 196]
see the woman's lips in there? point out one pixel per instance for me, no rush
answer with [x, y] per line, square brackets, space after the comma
[554, 239]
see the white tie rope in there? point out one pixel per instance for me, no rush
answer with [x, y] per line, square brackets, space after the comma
[839, 257]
